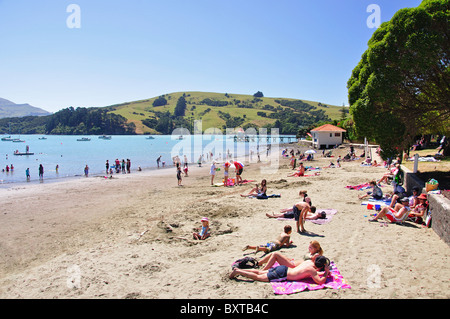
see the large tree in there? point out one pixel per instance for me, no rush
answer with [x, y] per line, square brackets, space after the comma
[400, 88]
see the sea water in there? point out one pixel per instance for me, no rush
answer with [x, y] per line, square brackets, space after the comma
[71, 155]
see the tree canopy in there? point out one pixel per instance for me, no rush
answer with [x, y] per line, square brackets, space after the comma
[400, 88]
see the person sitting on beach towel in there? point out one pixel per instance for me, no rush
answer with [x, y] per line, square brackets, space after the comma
[376, 192]
[282, 240]
[317, 270]
[300, 171]
[394, 215]
[258, 191]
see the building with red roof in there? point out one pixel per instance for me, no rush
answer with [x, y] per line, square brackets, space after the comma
[327, 136]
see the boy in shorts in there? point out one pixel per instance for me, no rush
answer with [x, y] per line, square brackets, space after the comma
[282, 240]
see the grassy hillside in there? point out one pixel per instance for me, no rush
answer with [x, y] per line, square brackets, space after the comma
[245, 107]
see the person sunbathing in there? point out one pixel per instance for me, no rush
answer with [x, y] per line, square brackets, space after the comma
[418, 213]
[391, 174]
[282, 240]
[399, 193]
[314, 249]
[317, 270]
[396, 214]
[257, 190]
[300, 171]
[288, 213]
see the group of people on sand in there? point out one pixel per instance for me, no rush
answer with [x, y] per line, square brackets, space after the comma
[238, 169]
[119, 166]
[401, 206]
[315, 266]
[404, 207]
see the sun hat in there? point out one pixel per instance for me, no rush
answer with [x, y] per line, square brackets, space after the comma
[422, 196]
[205, 219]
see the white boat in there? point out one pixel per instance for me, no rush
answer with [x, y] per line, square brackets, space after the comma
[7, 138]
[150, 138]
[17, 140]
[83, 139]
[42, 138]
[105, 137]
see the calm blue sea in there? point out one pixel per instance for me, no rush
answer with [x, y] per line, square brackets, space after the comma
[72, 155]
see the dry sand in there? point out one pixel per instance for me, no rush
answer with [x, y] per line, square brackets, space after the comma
[131, 237]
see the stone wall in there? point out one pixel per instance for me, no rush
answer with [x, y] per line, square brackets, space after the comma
[440, 216]
[439, 207]
[412, 180]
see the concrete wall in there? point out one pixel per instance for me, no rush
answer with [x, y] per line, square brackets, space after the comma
[439, 206]
[440, 216]
[412, 180]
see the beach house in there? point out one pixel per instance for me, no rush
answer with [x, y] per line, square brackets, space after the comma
[327, 136]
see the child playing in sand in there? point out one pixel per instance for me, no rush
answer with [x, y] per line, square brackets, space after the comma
[225, 173]
[204, 232]
[282, 240]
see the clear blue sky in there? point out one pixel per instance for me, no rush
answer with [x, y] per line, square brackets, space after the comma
[138, 49]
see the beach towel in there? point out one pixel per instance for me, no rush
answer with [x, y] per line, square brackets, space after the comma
[334, 281]
[358, 187]
[373, 203]
[330, 213]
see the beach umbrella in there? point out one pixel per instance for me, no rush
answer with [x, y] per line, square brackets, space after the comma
[310, 152]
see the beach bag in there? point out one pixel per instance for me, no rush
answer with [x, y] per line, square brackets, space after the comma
[431, 185]
[245, 263]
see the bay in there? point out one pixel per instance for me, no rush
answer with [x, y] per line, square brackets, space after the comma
[72, 155]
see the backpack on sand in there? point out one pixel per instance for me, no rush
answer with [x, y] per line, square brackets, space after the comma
[245, 263]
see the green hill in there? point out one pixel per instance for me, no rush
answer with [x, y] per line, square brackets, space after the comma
[221, 110]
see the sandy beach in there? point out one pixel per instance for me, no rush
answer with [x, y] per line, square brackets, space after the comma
[131, 237]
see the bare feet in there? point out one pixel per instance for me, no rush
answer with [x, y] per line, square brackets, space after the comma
[233, 274]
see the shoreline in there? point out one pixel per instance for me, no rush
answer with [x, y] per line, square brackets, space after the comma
[132, 237]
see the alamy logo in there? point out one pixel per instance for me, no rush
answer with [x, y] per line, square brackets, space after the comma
[74, 19]
[373, 20]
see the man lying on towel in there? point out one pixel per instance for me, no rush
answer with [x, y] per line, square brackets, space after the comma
[317, 270]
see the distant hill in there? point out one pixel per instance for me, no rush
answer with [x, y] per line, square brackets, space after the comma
[10, 109]
[221, 110]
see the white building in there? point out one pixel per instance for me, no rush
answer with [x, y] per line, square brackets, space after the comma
[327, 136]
